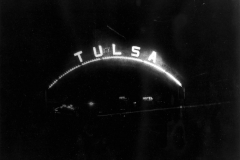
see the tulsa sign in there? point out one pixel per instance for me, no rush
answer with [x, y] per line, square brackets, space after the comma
[151, 59]
[135, 53]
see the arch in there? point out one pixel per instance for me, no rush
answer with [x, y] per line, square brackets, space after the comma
[144, 62]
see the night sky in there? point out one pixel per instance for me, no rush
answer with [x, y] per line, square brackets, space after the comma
[39, 38]
[198, 38]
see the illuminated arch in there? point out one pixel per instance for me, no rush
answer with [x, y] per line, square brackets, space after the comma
[158, 68]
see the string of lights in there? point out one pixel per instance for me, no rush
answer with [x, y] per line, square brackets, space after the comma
[158, 68]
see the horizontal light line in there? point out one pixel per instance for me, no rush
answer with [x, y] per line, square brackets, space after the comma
[162, 109]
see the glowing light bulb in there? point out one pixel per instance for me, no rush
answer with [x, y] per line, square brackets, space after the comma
[91, 104]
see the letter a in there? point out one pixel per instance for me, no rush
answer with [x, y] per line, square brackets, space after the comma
[98, 54]
[152, 57]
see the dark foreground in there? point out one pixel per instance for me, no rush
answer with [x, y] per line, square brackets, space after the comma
[207, 132]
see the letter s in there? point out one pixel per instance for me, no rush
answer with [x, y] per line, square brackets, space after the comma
[135, 50]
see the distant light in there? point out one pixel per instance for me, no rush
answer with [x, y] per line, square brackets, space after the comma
[122, 98]
[70, 107]
[91, 104]
[147, 98]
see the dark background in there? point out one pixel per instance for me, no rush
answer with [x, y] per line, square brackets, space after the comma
[199, 39]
